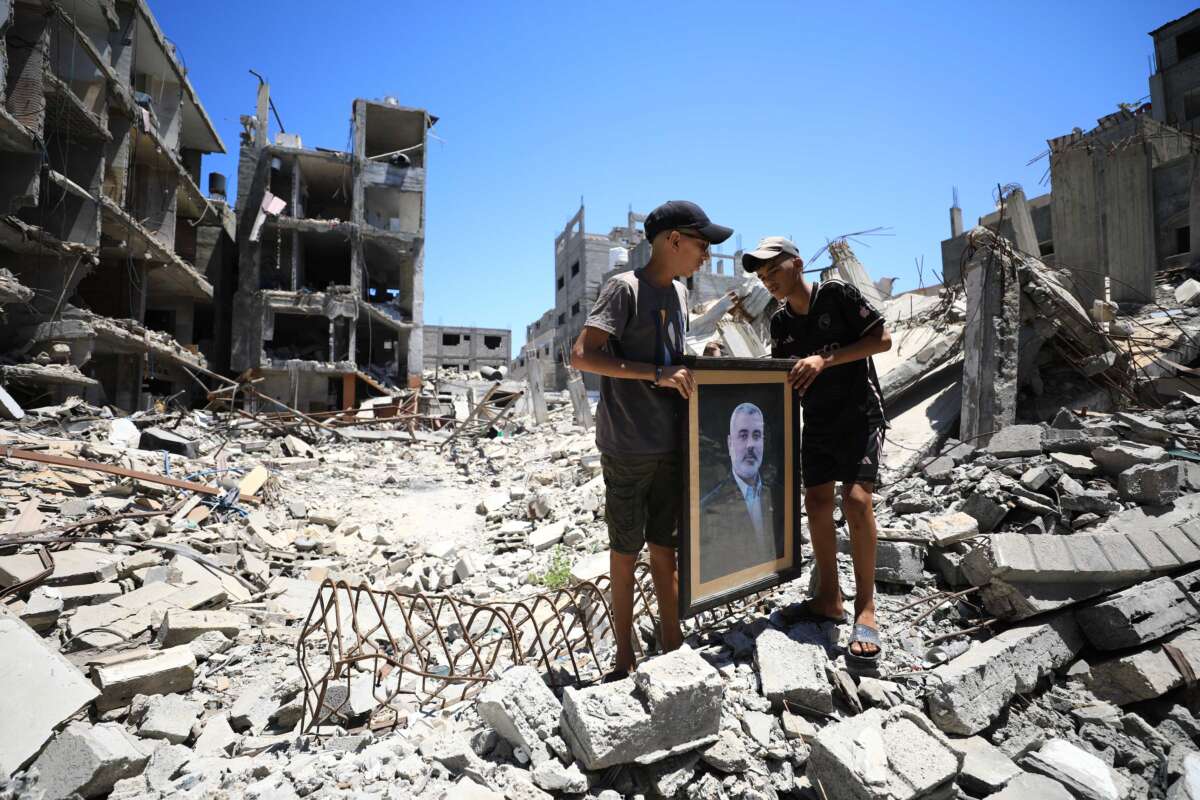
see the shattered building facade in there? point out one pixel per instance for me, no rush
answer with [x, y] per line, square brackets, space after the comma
[106, 237]
[330, 285]
[466, 349]
[583, 262]
[1121, 207]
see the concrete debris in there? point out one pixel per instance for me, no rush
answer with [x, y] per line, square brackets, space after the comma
[1140, 614]
[523, 710]
[792, 672]
[1084, 774]
[170, 670]
[53, 687]
[896, 754]
[671, 704]
[88, 760]
[1065, 512]
[968, 693]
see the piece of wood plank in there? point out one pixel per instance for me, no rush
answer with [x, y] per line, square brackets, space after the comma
[253, 481]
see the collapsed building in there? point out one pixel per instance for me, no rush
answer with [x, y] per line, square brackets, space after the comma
[467, 349]
[331, 257]
[583, 262]
[1121, 207]
[108, 247]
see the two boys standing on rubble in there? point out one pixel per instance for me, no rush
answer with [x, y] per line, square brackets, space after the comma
[634, 339]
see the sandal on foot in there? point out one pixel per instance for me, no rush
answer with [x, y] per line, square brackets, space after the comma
[864, 634]
[805, 612]
[615, 675]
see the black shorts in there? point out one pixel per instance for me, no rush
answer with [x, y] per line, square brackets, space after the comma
[845, 449]
[641, 500]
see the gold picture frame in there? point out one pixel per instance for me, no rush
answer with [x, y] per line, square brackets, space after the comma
[740, 521]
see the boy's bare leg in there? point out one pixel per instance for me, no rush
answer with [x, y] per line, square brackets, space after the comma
[620, 570]
[818, 500]
[858, 504]
[666, 589]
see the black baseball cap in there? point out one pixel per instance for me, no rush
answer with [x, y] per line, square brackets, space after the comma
[683, 215]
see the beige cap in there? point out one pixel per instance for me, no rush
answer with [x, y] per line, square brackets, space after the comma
[768, 247]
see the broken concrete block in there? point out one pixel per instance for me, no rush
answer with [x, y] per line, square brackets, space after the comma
[1137, 615]
[1073, 464]
[968, 693]
[167, 716]
[162, 439]
[1085, 775]
[1036, 478]
[42, 610]
[253, 708]
[1016, 440]
[792, 671]
[1188, 785]
[74, 565]
[897, 754]
[452, 751]
[589, 568]
[1115, 459]
[10, 408]
[181, 627]
[728, 753]
[1150, 484]
[1145, 429]
[29, 666]
[900, 562]
[523, 710]
[87, 594]
[469, 565]
[1188, 293]
[547, 536]
[1147, 674]
[123, 433]
[1079, 442]
[216, 737]
[1082, 557]
[948, 529]
[552, 776]
[670, 705]
[1028, 786]
[984, 768]
[88, 759]
[492, 503]
[986, 509]
[170, 670]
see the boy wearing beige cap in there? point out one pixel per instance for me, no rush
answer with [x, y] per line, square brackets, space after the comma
[832, 331]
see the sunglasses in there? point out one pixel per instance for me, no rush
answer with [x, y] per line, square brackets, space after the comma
[705, 245]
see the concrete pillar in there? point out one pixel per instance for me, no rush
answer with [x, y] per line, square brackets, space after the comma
[1194, 207]
[990, 346]
[1129, 223]
[1075, 213]
[1016, 208]
[260, 114]
[579, 400]
[537, 400]
[956, 227]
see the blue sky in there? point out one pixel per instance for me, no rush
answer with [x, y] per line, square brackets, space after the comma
[778, 118]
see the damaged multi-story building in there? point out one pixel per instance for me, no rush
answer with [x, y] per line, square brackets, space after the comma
[331, 248]
[466, 349]
[1125, 195]
[582, 263]
[104, 232]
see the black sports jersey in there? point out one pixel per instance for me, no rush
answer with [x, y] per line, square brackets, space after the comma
[838, 315]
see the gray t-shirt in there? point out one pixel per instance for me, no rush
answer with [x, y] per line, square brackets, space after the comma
[645, 323]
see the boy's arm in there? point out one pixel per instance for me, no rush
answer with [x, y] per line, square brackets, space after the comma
[589, 355]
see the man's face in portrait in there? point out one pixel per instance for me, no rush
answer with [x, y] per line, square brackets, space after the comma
[746, 441]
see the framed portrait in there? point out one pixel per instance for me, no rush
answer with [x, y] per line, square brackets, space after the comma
[740, 524]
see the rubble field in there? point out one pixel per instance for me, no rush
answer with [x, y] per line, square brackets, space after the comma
[202, 603]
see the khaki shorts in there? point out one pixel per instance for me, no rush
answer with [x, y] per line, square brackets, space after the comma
[641, 500]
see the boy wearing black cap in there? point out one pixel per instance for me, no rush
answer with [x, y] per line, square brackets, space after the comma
[634, 339]
[832, 331]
